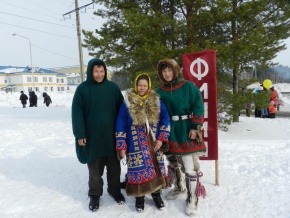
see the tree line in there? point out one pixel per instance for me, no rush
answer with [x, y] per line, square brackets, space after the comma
[138, 33]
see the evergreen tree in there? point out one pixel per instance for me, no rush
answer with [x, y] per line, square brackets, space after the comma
[248, 33]
[138, 33]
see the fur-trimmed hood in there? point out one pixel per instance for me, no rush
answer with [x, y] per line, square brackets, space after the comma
[173, 65]
[138, 108]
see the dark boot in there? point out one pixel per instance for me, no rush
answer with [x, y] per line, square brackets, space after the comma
[94, 203]
[124, 183]
[158, 200]
[119, 198]
[139, 205]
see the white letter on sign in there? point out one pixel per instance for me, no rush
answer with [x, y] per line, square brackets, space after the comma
[205, 129]
[205, 110]
[204, 89]
[199, 74]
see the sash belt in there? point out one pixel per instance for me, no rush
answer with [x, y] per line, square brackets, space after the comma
[181, 117]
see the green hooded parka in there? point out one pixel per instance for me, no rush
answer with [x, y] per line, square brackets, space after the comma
[95, 108]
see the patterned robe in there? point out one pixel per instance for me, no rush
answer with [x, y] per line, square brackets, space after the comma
[146, 170]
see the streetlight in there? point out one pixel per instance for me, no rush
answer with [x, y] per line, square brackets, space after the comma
[14, 34]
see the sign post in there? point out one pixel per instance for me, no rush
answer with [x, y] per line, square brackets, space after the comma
[200, 68]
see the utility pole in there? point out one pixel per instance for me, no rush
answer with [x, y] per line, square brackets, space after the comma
[14, 34]
[79, 41]
[77, 8]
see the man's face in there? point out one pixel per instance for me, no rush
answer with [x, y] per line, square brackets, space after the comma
[98, 73]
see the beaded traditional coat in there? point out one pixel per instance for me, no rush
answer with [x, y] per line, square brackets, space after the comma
[146, 170]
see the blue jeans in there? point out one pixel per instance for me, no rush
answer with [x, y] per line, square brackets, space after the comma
[264, 112]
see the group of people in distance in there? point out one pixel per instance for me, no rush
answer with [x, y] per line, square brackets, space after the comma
[140, 126]
[33, 99]
[271, 109]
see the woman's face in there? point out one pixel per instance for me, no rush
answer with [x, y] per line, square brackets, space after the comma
[142, 87]
[167, 74]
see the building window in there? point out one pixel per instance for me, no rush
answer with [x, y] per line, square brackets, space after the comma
[50, 79]
[45, 89]
[57, 80]
[5, 80]
[29, 89]
[62, 81]
[79, 80]
[37, 89]
[62, 88]
[67, 88]
[44, 79]
[58, 88]
[29, 80]
[51, 89]
[35, 79]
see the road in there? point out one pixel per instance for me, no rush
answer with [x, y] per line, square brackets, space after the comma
[283, 114]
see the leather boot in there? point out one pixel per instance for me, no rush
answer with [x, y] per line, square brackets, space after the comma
[158, 200]
[179, 183]
[139, 204]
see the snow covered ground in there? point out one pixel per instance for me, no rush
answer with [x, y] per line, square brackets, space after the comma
[40, 175]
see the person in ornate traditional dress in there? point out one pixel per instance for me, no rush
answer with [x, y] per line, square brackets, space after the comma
[186, 109]
[143, 125]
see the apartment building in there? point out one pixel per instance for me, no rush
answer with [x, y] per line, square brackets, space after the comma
[23, 79]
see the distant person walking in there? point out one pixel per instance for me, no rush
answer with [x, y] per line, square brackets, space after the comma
[29, 94]
[33, 99]
[47, 100]
[23, 98]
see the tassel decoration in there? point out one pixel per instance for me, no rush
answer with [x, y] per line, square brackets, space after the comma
[170, 177]
[200, 190]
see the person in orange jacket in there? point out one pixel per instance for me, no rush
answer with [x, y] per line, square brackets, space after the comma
[274, 95]
[272, 110]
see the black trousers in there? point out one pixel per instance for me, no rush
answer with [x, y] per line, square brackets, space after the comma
[96, 171]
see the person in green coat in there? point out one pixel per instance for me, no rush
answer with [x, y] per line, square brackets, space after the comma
[95, 107]
[186, 109]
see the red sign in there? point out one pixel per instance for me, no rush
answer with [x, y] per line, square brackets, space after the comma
[200, 68]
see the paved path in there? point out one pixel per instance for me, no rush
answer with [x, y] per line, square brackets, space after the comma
[283, 114]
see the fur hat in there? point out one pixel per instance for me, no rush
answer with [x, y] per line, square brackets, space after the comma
[169, 63]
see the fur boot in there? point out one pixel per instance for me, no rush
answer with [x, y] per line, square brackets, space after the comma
[192, 200]
[178, 181]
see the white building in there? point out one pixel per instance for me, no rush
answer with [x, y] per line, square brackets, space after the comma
[16, 79]
[73, 80]
[22, 79]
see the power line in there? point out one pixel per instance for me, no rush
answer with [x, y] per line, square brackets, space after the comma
[76, 10]
[54, 52]
[41, 7]
[29, 10]
[36, 20]
[64, 3]
[38, 30]
[79, 8]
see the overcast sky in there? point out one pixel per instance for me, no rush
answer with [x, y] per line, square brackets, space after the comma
[53, 38]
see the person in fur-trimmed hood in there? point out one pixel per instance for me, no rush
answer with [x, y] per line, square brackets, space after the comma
[185, 107]
[143, 125]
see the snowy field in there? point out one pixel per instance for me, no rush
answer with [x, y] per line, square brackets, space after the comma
[40, 175]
